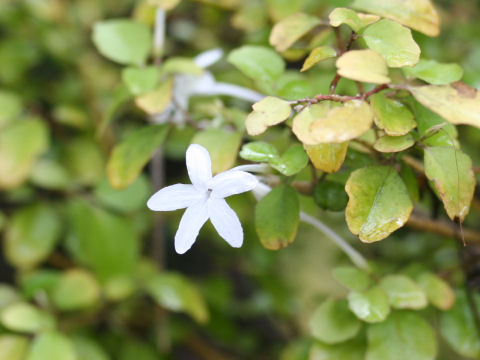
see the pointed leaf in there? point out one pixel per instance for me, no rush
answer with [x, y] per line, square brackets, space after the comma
[267, 112]
[363, 65]
[259, 151]
[391, 115]
[318, 54]
[435, 73]
[370, 306]
[347, 16]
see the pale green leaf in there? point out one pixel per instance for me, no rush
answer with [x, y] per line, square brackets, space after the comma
[391, 116]
[181, 65]
[318, 54]
[10, 107]
[140, 80]
[87, 349]
[435, 73]
[390, 144]
[267, 112]
[23, 317]
[291, 162]
[259, 151]
[348, 350]
[156, 101]
[76, 289]
[363, 65]
[356, 21]
[438, 291]
[13, 347]
[352, 278]
[285, 33]
[403, 292]
[370, 306]
[51, 346]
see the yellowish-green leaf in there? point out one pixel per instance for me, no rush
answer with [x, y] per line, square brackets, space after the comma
[352, 278]
[438, 291]
[390, 144]
[378, 204]
[391, 116]
[356, 21]
[181, 65]
[10, 107]
[394, 42]
[451, 172]
[292, 161]
[285, 33]
[13, 347]
[267, 112]
[416, 14]
[51, 346]
[318, 54]
[403, 292]
[344, 123]
[327, 157]
[164, 4]
[363, 65]
[349, 350]
[457, 102]
[222, 145]
[370, 306]
[435, 73]
[23, 317]
[302, 122]
[140, 80]
[156, 101]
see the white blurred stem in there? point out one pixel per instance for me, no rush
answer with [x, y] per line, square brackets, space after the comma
[159, 35]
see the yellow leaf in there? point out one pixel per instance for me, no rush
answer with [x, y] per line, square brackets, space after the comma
[267, 112]
[285, 33]
[164, 4]
[363, 65]
[318, 54]
[327, 157]
[302, 122]
[156, 101]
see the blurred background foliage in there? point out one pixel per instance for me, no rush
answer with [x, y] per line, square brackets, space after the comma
[82, 278]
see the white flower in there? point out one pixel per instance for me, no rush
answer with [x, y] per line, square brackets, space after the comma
[204, 200]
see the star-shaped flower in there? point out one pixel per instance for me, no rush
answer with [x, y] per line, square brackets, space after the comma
[204, 200]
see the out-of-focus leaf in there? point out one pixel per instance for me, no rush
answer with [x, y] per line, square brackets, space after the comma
[31, 235]
[438, 291]
[363, 65]
[379, 203]
[8, 295]
[394, 42]
[39, 282]
[435, 73]
[87, 349]
[105, 242]
[267, 112]
[457, 102]
[403, 292]
[330, 195]
[410, 180]
[76, 289]
[84, 160]
[156, 101]
[180, 65]
[391, 116]
[404, 335]
[327, 157]
[130, 156]
[458, 327]
[140, 80]
[370, 306]
[134, 349]
[391, 144]
[417, 14]
[51, 346]
[23, 317]
[164, 4]
[277, 216]
[291, 162]
[352, 278]
[349, 350]
[318, 54]
[20, 144]
[451, 172]
[222, 145]
[259, 151]
[13, 347]
[10, 107]
[124, 41]
[50, 174]
[332, 322]
[176, 293]
[356, 21]
[285, 33]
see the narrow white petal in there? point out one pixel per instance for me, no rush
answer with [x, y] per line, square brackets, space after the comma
[232, 182]
[225, 221]
[208, 57]
[236, 91]
[192, 221]
[199, 166]
[178, 196]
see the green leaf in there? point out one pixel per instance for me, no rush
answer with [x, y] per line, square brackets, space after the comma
[141, 80]
[370, 306]
[181, 65]
[222, 145]
[8, 295]
[103, 241]
[259, 151]
[318, 54]
[259, 63]
[363, 65]
[330, 195]
[327, 157]
[31, 235]
[404, 335]
[23, 317]
[332, 322]
[38, 282]
[10, 107]
[267, 112]
[458, 327]
[156, 101]
[410, 180]
[20, 144]
[391, 116]
[356, 21]
[285, 33]
[457, 102]
[343, 123]
[438, 291]
[435, 73]
[123, 41]
[291, 162]
[352, 278]
[379, 203]
[176, 293]
[13, 347]
[394, 42]
[135, 349]
[50, 174]
[128, 200]
[51, 346]
[87, 349]
[451, 172]
[130, 156]
[417, 14]
[277, 216]
[391, 144]
[164, 4]
[403, 292]
[349, 350]
[76, 289]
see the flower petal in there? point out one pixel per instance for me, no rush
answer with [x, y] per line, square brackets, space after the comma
[199, 166]
[192, 221]
[225, 221]
[178, 196]
[232, 182]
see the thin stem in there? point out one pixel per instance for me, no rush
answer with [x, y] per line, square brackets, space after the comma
[158, 180]
[159, 35]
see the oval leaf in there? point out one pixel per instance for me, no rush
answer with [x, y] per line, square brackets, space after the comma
[267, 112]
[403, 292]
[13, 347]
[352, 278]
[26, 318]
[391, 144]
[327, 157]
[285, 33]
[435, 73]
[318, 54]
[363, 65]
[438, 292]
[370, 306]
[51, 346]
[291, 162]
[391, 116]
